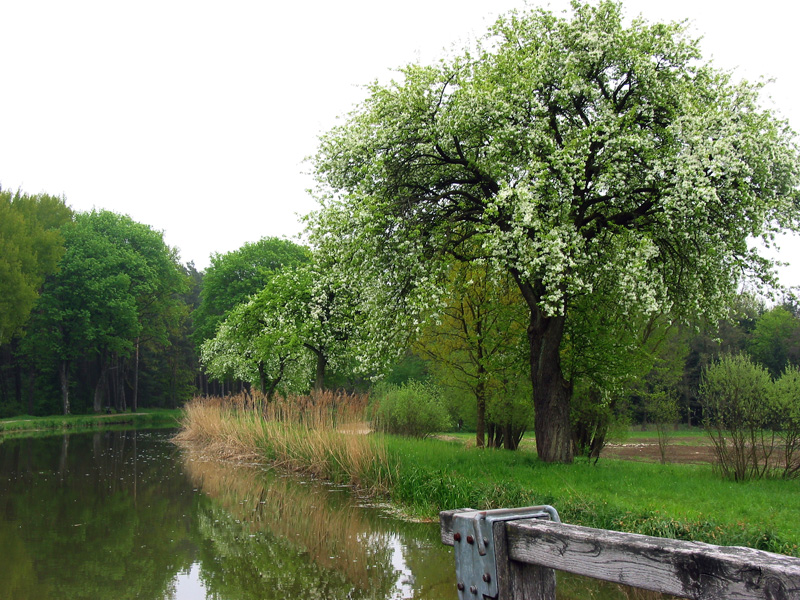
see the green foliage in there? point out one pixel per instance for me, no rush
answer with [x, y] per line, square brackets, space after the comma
[573, 153]
[233, 277]
[476, 342]
[775, 340]
[735, 394]
[598, 417]
[410, 367]
[288, 333]
[662, 409]
[414, 409]
[117, 293]
[30, 248]
[787, 410]
[259, 342]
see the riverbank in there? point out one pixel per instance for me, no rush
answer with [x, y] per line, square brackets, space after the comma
[422, 477]
[159, 417]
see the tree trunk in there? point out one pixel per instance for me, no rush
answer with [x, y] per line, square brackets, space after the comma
[551, 392]
[480, 424]
[31, 388]
[63, 368]
[135, 400]
[101, 389]
[262, 376]
[319, 379]
[17, 366]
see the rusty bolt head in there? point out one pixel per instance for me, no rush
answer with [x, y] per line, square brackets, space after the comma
[487, 578]
[470, 539]
[473, 589]
[457, 536]
[460, 586]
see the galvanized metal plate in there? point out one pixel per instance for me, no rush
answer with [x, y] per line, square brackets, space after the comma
[476, 566]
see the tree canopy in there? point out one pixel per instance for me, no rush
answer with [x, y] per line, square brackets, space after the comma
[573, 153]
[30, 248]
[233, 277]
[300, 318]
[118, 283]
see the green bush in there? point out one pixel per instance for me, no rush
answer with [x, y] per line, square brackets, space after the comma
[738, 416]
[414, 408]
[786, 391]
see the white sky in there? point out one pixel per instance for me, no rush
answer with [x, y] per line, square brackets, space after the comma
[195, 116]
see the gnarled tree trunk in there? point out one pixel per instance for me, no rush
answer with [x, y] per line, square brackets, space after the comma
[551, 392]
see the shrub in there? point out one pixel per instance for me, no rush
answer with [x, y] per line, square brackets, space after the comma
[661, 408]
[738, 416]
[413, 408]
[787, 407]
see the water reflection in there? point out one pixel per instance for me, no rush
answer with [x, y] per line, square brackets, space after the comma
[310, 540]
[128, 515]
[91, 517]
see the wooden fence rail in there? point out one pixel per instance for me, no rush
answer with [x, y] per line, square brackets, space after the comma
[528, 551]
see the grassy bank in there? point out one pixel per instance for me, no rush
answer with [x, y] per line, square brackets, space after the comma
[142, 418]
[422, 477]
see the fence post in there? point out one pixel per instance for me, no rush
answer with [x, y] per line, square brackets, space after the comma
[515, 580]
[520, 581]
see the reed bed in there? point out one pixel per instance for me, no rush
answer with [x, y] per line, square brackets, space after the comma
[325, 435]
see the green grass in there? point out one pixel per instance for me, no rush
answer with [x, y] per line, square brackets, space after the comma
[678, 501]
[144, 417]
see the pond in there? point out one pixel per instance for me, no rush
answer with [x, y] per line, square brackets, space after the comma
[127, 514]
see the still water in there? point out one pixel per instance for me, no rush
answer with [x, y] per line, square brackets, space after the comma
[127, 514]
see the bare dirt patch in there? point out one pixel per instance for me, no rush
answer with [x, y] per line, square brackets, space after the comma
[680, 450]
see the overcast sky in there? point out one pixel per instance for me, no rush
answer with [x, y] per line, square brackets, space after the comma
[195, 117]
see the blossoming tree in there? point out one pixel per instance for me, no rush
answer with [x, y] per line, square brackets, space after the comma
[570, 151]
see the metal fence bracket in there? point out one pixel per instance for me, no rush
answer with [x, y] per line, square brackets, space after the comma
[476, 567]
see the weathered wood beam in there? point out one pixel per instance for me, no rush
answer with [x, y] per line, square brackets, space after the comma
[529, 550]
[685, 569]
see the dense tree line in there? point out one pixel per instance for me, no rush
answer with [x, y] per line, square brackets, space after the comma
[107, 320]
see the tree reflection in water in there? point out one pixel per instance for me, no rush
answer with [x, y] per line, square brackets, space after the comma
[121, 514]
[301, 539]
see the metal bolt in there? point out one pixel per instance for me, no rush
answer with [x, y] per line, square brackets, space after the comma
[460, 586]
[470, 539]
[473, 589]
[457, 536]
[487, 578]
[485, 542]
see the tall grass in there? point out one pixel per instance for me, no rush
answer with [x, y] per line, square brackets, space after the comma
[323, 435]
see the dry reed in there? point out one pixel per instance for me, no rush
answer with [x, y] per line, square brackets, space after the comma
[325, 435]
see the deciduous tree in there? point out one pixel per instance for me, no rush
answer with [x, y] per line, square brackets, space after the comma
[30, 248]
[233, 277]
[568, 151]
